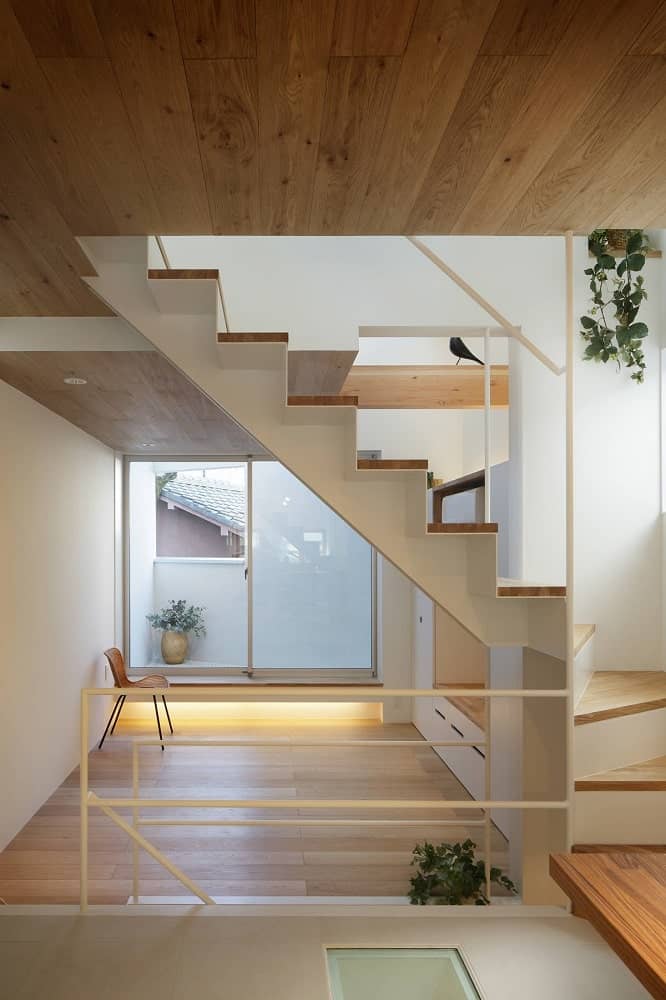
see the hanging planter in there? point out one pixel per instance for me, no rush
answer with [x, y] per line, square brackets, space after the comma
[611, 330]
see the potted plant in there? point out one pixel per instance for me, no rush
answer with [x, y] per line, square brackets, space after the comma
[176, 621]
[618, 289]
[451, 874]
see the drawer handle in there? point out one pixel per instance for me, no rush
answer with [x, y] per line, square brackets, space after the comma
[437, 712]
[456, 730]
[461, 734]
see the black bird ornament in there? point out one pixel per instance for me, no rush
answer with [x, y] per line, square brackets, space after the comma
[460, 350]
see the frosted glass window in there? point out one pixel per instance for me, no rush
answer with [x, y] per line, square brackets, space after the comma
[311, 579]
[399, 974]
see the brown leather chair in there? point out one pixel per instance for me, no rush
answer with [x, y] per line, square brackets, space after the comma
[117, 664]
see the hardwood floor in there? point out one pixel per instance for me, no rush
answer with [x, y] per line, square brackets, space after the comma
[41, 863]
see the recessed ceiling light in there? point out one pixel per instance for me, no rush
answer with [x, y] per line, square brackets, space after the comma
[73, 380]
[147, 444]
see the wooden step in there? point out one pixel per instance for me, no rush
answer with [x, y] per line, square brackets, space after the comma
[463, 528]
[618, 848]
[644, 776]
[517, 588]
[253, 338]
[623, 896]
[611, 694]
[392, 463]
[322, 400]
[180, 274]
[582, 633]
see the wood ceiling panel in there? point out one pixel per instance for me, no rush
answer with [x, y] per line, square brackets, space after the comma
[28, 114]
[628, 165]
[440, 53]
[590, 142]
[132, 398]
[652, 41]
[60, 28]
[216, 29]
[93, 110]
[586, 55]
[358, 98]
[35, 231]
[224, 102]
[293, 45]
[526, 28]
[307, 116]
[143, 44]
[372, 27]
[495, 91]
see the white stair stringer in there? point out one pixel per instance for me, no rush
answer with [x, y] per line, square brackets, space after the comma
[318, 445]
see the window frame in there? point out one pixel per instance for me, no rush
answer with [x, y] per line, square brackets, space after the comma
[350, 675]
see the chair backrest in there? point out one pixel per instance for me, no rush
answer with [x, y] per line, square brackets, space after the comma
[117, 664]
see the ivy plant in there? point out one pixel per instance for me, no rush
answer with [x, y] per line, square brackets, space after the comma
[450, 874]
[610, 329]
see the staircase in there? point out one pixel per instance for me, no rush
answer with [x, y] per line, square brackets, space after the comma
[620, 759]
[315, 438]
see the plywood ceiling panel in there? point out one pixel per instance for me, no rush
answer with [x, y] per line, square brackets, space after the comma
[318, 116]
[131, 399]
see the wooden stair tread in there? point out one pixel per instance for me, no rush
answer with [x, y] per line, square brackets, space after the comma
[611, 694]
[392, 463]
[519, 588]
[463, 528]
[624, 898]
[174, 273]
[581, 635]
[253, 338]
[322, 400]
[644, 776]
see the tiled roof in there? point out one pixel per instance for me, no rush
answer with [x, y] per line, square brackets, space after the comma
[208, 498]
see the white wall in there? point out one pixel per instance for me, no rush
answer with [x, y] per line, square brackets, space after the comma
[520, 957]
[57, 598]
[218, 586]
[394, 637]
[142, 534]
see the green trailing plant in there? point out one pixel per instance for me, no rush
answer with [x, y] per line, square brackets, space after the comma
[179, 617]
[161, 481]
[450, 874]
[610, 329]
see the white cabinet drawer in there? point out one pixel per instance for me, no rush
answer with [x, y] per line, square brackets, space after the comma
[467, 763]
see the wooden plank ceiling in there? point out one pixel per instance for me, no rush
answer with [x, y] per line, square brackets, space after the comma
[318, 117]
[133, 401]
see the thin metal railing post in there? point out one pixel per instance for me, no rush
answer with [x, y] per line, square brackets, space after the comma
[570, 531]
[83, 801]
[135, 822]
[488, 795]
[486, 425]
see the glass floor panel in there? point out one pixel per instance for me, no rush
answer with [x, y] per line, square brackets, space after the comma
[399, 974]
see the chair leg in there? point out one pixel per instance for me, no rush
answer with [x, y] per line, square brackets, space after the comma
[157, 716]
[166, 709]
[118, 702]
[122, 705]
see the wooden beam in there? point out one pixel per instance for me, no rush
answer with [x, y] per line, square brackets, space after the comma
[425, 387]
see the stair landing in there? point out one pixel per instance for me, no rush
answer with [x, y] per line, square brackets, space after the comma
[614, 693]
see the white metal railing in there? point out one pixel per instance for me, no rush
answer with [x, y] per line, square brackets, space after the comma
[109, 805]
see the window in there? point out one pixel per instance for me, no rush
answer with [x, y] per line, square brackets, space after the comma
[399, 974]
[299, 596]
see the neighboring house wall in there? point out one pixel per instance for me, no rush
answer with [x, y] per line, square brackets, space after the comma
[56, 596]
[180, 533]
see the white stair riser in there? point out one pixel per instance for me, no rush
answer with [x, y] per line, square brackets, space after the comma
[609, 743]
[620, 817]
[389, 511]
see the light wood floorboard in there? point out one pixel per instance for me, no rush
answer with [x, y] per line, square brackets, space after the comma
[41, 863]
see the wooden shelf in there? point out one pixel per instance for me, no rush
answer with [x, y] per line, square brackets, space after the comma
[463, 528]
[516, 588]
